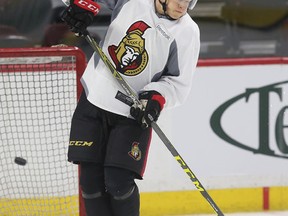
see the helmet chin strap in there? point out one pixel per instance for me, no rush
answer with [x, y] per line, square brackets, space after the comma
[164, 8]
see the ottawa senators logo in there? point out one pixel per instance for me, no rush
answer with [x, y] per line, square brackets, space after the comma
[135, 152]
[130, 56]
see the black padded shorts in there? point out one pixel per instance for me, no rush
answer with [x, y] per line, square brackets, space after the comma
[103, 137]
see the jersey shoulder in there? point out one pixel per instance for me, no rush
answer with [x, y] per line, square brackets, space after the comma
[189, 25]
[187, 32]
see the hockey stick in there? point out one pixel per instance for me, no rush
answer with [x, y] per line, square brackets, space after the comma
[131, 93]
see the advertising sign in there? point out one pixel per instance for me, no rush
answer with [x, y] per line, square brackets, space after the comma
[232, 131]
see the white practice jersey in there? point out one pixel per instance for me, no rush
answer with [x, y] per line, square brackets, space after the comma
[151, 53]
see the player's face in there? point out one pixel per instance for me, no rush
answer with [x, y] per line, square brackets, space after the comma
[177, 8]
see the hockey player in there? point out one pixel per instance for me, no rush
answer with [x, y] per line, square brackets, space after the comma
[155, 45]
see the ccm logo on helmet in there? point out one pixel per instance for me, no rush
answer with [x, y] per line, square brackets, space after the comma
[88, 5]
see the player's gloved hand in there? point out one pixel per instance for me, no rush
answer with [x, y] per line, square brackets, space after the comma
[152, 102]
[79, 15]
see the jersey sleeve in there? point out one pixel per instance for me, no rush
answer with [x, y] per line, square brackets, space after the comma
[112, 4]
[176, 80]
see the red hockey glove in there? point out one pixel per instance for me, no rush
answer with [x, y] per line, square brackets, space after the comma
[152, 104]
[80, 14]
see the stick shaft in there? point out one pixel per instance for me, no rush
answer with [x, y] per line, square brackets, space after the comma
[128, 90]
[186, 168]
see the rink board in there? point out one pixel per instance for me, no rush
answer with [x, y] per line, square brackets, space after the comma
[173, 203]
[221, 132]
[228, 200]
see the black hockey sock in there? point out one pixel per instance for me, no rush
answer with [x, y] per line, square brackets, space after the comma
[96, 200]
[128, 204]
[98, 205]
